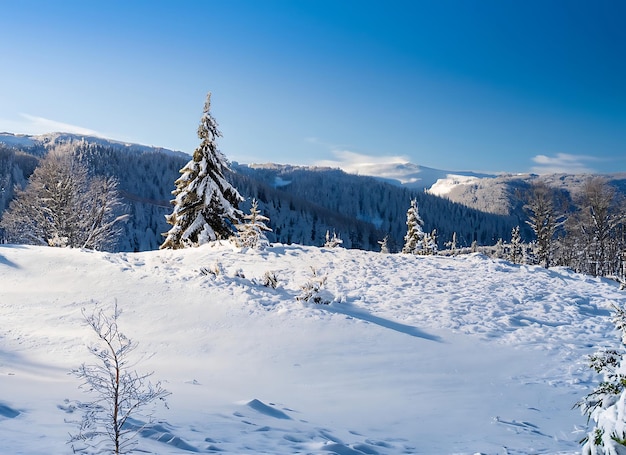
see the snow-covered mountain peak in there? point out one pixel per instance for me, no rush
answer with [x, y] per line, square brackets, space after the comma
[50, 140]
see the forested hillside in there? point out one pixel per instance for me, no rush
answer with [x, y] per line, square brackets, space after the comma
[302, 203]
[362, 210]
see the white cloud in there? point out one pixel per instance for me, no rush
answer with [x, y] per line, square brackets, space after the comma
[562, 163]
[30, 124]
[358, 163]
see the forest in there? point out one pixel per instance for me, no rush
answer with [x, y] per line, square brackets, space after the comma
[573, 221]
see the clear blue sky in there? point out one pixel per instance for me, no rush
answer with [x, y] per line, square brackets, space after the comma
[459, 85]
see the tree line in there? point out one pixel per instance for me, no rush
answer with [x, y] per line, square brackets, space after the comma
[86, 194]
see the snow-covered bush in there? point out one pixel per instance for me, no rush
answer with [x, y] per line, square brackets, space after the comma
[606, 404]
[270, 280]
[311, 291]
[214, 270]
[384, 245]
[332, 242]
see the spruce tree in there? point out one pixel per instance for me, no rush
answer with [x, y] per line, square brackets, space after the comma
[516, 253]
[205, 204]
[543, 219]
[384, 245]
[252, 232]
[414, 238]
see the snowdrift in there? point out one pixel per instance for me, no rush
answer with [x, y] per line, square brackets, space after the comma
[433, 355]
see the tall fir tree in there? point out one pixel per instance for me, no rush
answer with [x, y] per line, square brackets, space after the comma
[205, 204]
[543, 219]
[414, 238]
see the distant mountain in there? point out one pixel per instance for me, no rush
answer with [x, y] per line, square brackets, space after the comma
[503, 194]
[303, 203]
[412, 175]
[379, 207]
[43, 142]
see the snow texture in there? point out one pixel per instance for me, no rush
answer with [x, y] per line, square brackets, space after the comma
[414, 354]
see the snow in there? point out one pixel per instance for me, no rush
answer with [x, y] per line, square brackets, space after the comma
[20, 140]
[444, 186]
[404, 173]
[27, 140]
[432, 355]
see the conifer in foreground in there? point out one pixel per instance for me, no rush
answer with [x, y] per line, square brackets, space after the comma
[205, 204]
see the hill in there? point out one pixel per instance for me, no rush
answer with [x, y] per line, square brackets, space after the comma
[434, 355]
[303, 203]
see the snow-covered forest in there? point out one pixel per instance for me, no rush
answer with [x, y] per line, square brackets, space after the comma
[525, 301]
[302, 203]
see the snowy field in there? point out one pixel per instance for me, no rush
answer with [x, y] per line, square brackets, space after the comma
[424, 355]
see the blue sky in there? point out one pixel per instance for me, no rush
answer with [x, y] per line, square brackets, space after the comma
[458, 85]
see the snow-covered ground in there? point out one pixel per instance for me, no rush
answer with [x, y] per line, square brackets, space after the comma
[430, 355]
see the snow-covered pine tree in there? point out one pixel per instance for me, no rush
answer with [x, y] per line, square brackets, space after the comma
[430, 243]
[452, 244]
[252, 232]
[543, 219]
[516, 253]
[205, 204]
[384, 245]
[414, 238]
[606, 404]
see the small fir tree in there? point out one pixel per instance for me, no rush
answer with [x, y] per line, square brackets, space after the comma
[516, 253]
[414, 238]
[543, 219]
[430, 243]
[384, 245]
[452, 244]
[205, 204]
[252, 232]
[606, 404]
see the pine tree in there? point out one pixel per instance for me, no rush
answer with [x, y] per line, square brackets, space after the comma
[414, 238]
[384, 245]
[452, 244]
[252, 232]
[205, 204]
[516, 253]
[606, 404]
[543, 219]
[430, 243]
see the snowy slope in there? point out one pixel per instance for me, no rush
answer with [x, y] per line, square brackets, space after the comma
[431, 355]
[408, 174]
[52, 139]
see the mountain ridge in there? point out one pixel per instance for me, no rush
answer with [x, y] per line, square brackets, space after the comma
[302, 202]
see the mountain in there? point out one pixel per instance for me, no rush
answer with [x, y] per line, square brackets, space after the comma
[376, 207]
[433, 355]
[40, 144]
[504, 194]
[411, 175]
[303, 203]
